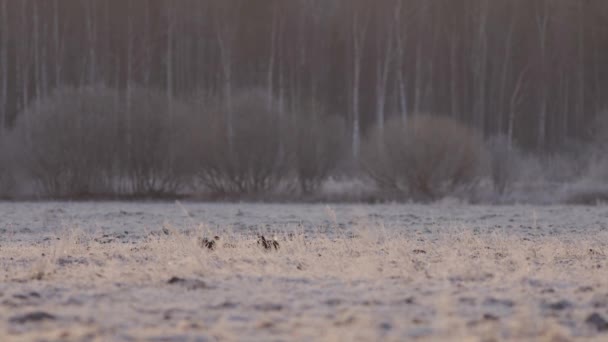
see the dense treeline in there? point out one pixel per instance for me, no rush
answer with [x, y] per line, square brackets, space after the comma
[149, 97]
[533, 70]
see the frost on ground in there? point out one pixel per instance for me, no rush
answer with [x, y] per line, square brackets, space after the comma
[349, 273]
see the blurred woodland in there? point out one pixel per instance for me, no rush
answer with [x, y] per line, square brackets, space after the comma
[531, 72]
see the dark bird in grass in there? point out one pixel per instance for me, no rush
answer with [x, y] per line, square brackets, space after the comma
[268, 244]
[210, 244]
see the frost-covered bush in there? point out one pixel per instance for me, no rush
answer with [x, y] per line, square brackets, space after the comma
[598, 171]
[68, 141]
[9, 167]
[600, 131]
[155, 154]
[504, 162]
[247, 146]
[426, 157]
[242, 146]
[598, 157]
[591, 186]
[318, 147]
[96, 142]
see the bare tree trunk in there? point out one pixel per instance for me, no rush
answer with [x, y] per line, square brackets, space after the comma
[506, 64]
[516, 97]
[358, 40]
[129, 85]
[565, 86]
[224, 34]
[146, 64]
[542, 22]
[24, 65]
[58, 49]
[280, 91]
[400, 40]
[272, 57]
[169, 57]
[92, 41]
[36, 45]
[480, 67]
[597, 62]
[402, 89]
[4, 66]
[429, 84]
[43, 69]
[418, 79]
[384, 57]
[419, 86]
[454, 94]
[170, 71]
[580, 112]
[293, 86]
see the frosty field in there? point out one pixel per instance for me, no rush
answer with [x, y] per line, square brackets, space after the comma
[136, 272]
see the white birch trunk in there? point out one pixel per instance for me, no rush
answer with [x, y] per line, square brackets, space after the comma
[506, 67]
[382, 73]
[480, 67]
[400, 39]
[542, 22]
[358, 40]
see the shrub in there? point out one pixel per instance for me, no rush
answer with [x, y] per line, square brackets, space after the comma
[68, 141]
[597, 166]
[427, 157]
[600, 131]
[93, 142]
[242, 147]
[319, 145]
[9, 169]
[504, 162]
[155, 158]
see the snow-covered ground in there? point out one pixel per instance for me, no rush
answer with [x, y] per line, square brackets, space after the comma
[136, 271]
